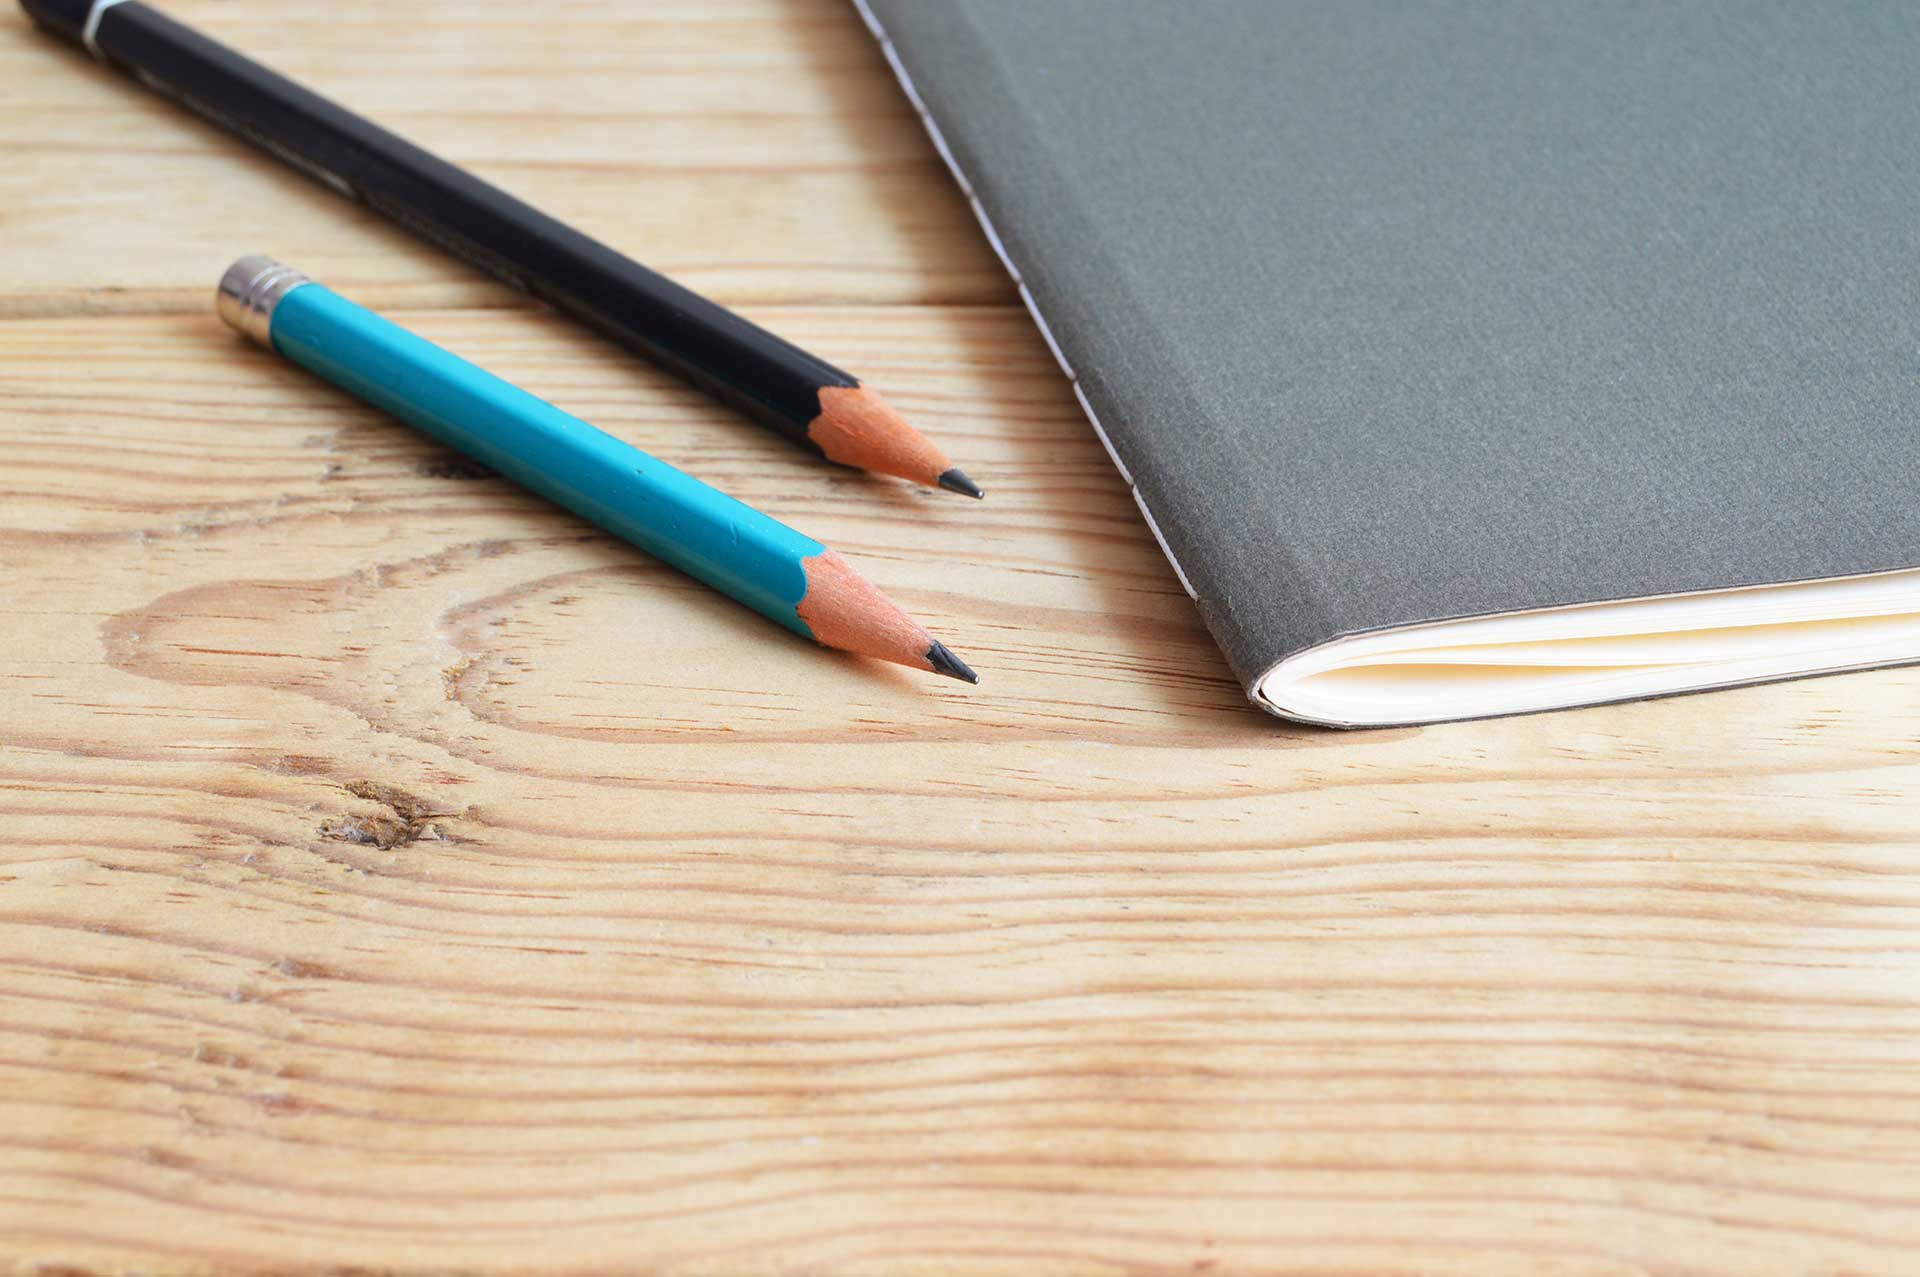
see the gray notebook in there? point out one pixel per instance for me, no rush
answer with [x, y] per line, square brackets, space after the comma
[1474, 358]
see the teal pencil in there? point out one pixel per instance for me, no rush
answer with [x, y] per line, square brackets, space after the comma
[741, 552]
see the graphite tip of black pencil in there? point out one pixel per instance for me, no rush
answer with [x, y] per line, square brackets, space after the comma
[955, 480]
[945, 662]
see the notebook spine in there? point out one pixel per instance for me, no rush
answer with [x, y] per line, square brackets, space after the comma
[1026, 295]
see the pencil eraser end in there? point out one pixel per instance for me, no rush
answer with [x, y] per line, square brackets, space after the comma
[250, 290]
[67, 18]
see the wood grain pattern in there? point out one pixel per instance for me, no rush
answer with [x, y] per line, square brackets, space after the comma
[396, 875]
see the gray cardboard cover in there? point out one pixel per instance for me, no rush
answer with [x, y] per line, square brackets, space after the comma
[1398, 312]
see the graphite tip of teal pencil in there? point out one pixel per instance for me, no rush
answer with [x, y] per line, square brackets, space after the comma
[741, 552]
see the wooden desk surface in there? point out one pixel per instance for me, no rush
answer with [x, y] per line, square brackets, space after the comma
[397, 875]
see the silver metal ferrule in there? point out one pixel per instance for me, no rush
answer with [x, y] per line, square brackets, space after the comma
[250, 290]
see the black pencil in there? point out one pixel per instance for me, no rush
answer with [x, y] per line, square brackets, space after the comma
[773, 381]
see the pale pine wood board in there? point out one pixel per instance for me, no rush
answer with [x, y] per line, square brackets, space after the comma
[398, 875]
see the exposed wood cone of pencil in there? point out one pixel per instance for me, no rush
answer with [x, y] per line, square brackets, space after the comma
[856, 427]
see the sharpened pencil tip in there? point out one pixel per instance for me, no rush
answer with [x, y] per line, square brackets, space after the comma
[956, 480]
[945, 662]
